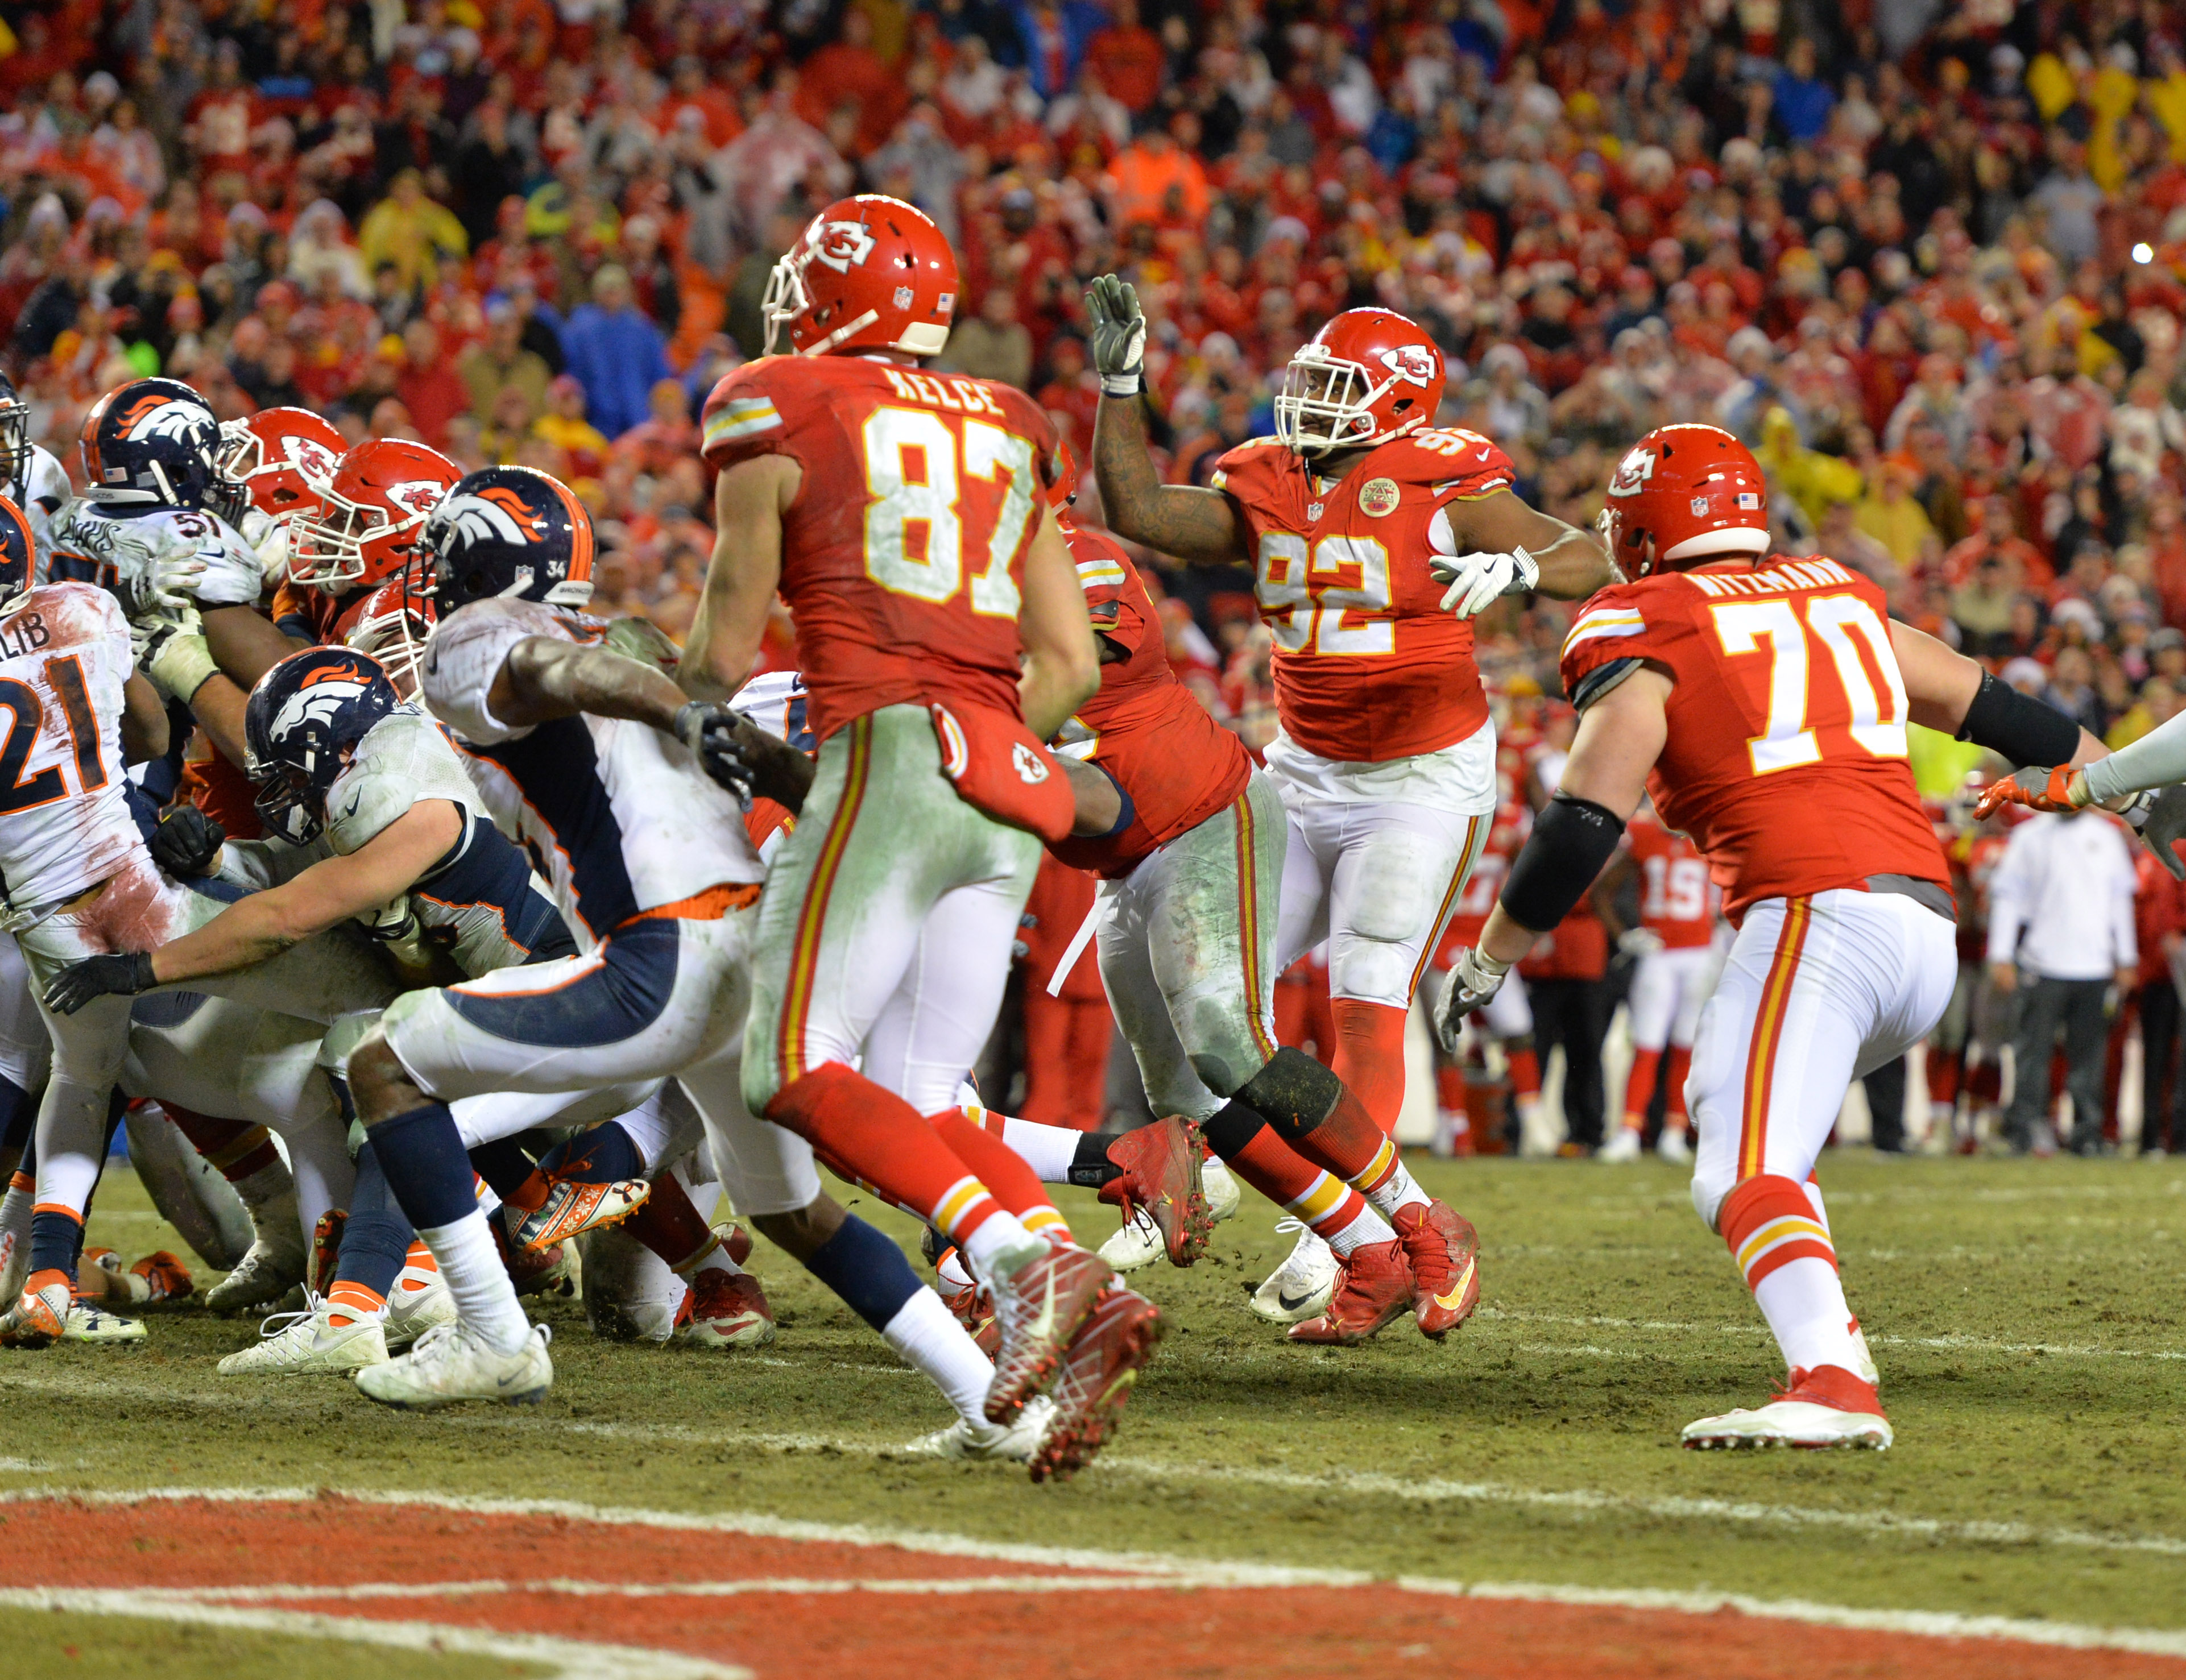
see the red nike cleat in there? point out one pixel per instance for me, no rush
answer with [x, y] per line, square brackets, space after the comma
[1444, 1251]
[1160, 1165]
[728, 1309]
[1373, 1285]
[1099, 1368]
[1828, 1406]
[735, 1242]
[326, 1249]
[1038, 1309]
[571, 1208]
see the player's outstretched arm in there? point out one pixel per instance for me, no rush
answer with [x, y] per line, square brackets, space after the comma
[261, 924]
[544, 678]
[749, 501]
[246, 644]
[1186, 523]
[1502, 547]
[1061, 664]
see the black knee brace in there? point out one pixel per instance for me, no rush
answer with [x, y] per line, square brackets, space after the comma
[1293, 1094]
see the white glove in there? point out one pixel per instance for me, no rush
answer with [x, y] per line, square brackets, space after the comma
[272, 543]
[1478, 581]
[1639, 941]
[171, 651]
[1476, 978]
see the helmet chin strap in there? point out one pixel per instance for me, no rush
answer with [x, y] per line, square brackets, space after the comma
[844, 332]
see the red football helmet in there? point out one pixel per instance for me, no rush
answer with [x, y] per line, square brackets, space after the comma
[869, 272]
[371, 522]
[1368, 376]
[1063, 492]
[391, 623]
[280, 462]
[1684, 492]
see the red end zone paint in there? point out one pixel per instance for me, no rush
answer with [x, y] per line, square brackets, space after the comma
[794, 1607]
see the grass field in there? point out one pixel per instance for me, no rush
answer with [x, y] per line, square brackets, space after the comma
[2027, 1316]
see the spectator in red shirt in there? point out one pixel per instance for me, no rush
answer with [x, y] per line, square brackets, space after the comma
[849, 72]
[1128, 57]
[428, 384]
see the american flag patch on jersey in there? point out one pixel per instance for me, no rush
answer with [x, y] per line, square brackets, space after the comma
[741, 417]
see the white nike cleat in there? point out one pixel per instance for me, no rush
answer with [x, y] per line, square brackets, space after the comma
[1300, 1288]
[1826, 1407]
[989, 1443]
[1862, 1362]
[1220, 1185]
[99, 1328]
[411, 1311]
[266, 1272]
[1137, 1243]
[1675, 1145]
[450, 1363]
[306, 1343]
[1624, 1145]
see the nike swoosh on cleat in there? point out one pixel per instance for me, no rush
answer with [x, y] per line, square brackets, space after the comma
[1291, 1303]
[1450, 1302]
[1044, 1326]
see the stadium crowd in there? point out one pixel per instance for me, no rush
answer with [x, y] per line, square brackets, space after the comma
[1929, 260]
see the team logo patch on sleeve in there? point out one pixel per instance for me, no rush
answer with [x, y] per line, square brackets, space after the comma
[1378, 497]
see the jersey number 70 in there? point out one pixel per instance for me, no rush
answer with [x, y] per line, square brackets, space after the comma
[1874, 707]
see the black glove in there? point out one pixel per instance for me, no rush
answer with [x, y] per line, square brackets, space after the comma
[709, 729]
[77, 985]
[186, 841]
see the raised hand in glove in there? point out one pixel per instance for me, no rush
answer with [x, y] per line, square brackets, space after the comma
[187, 841]
[1118, 341]
[2038, 790]
[1475, 979]
[1478, 581]
[80, 982]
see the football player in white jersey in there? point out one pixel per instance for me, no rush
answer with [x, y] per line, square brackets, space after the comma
[36, 482]
[575, 749]
[80, 881]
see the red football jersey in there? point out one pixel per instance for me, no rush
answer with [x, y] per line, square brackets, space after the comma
[1368, 666]
[1786, 761]
[1678, 901]
[219, 789]
[902, 554]
[1973, 859]
[1144, 726]
[1514, 821]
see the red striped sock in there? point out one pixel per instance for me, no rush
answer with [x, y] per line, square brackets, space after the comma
[1003, 1171]
[236, 1149]
[1370, 1057]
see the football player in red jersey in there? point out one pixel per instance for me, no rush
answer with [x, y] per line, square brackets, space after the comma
[1375, 538]
[1763, 703]
[1191, 873]
[903, 516]
[1674, 942]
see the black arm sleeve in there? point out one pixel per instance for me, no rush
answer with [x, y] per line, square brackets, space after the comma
[2022, 730]
[1571, 841]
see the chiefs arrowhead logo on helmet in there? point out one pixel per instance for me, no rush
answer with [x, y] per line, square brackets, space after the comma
[308, 457]
[1683, 496]
[1632, 473]
[1414, 364]
[841, 243]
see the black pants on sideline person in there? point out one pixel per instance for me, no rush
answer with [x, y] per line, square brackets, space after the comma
[1575, 1014]
[2045, 1007]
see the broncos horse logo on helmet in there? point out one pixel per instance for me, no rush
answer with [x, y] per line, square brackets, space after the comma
[152, 443]
[513, 532]
[304, 718]
[16, 576]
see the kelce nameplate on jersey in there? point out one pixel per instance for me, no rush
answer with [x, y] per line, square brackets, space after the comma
[958, 396]
[25, 633]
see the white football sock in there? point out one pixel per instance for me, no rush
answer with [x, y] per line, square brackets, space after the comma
[1047, 1149]
[999, 1233]
[1400, 1190]
[485, 1300]
[926, 1336]
[1369, 1227]
[1804, 1301]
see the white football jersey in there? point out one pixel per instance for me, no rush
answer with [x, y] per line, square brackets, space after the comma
[47, 492]
[123, 551]
[65, 818]
[617, 816]
[775, 702]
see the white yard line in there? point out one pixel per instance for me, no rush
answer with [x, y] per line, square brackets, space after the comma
[1970, 1344]
[567, 1659]
[1163, 1571]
